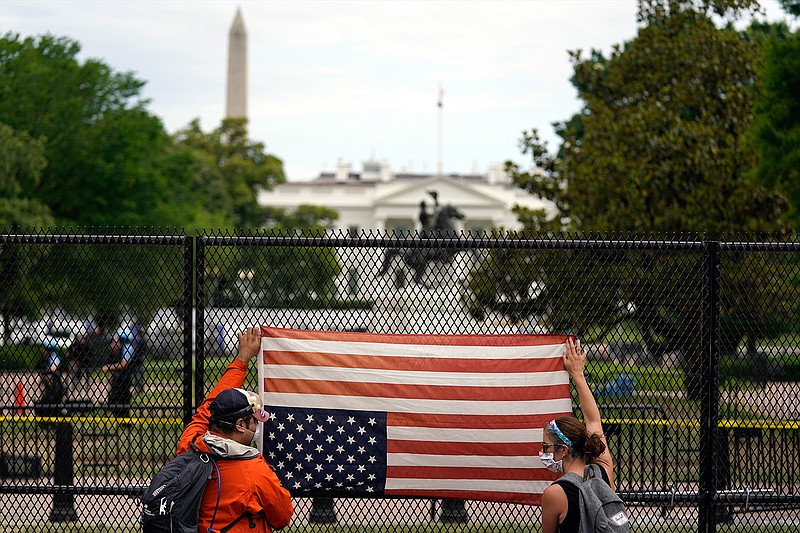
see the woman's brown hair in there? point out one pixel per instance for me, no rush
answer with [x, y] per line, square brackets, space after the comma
[589, 446]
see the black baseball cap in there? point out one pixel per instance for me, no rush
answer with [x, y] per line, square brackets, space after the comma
[231, 404]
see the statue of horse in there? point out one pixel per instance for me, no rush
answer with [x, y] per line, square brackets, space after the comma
[418, 259]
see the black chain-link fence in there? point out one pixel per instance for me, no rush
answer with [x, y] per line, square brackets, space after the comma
[694, 359]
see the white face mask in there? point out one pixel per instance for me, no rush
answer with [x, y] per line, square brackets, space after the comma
[550, 464]
[257, 434]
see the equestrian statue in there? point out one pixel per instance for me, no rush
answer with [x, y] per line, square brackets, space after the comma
[438, 223]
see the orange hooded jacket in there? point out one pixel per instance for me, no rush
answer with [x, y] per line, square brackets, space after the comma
[249, 488]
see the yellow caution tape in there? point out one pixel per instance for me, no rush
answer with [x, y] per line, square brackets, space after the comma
[92, 419]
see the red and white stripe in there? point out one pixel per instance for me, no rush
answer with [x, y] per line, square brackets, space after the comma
[464, 412]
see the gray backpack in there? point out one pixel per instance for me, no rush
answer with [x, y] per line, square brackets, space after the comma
[602, 510]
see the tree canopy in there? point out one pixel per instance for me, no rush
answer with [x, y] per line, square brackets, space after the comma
[775, 131]
[279, 276]
[21, 162]
[109, 161]
[657, 147]
[79, 147]
[230, 170]
[791, 6]
[101, 145]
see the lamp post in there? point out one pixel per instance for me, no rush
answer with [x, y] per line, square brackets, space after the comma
[323, 511]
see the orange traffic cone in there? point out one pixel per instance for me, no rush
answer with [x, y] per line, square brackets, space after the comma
[19, 402]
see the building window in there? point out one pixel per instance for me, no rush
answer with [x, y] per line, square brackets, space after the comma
[353, 231]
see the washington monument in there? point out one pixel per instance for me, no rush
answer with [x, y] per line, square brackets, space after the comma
[236, 104]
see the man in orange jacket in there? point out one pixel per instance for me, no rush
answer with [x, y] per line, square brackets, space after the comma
[251, 498]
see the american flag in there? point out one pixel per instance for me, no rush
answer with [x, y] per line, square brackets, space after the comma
[436, 416]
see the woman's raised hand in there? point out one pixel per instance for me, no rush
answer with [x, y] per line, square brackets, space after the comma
[574, 358]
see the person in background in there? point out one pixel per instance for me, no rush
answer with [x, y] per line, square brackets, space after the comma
[79, 355]
[121, 368]
[226, 424]
[51, 371]
[137, 373]
[568, 445]
[52, 360]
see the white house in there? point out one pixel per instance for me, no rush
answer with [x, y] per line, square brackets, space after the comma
[378, 199]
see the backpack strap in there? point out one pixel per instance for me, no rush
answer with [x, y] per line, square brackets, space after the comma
[245, 514]
[573, 479]
[592, 470]
[210, 457]
[219, 492]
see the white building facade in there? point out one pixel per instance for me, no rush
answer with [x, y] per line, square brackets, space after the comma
[378, 199]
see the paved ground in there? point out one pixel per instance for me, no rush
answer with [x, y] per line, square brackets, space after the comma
[118, 511]
[96, 390]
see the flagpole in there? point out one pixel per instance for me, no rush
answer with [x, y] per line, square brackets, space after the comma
[439, 164]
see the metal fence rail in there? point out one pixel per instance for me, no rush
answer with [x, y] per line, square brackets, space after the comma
[694, 358]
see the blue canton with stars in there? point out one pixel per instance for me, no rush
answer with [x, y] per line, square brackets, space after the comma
[322, 449]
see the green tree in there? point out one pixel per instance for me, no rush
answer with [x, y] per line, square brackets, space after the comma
[103, 148]
[191, 198]
[791, 6]
[21, 163]
[278, 276]
[775, 131]
[285, 276]
[230, 169]
[661, 148]
[657, 147]
[107, 162]
[311, 219]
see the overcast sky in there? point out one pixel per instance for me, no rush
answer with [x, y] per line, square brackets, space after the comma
[353, 80]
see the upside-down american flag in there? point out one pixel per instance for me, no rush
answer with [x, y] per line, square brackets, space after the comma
[438, 416]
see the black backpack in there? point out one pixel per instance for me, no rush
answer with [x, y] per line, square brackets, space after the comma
[171, 504]
[602, 510]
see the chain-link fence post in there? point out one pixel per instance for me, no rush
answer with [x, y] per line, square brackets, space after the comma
[189, 265]
[198, 348]
[63, 503]
[709, 404]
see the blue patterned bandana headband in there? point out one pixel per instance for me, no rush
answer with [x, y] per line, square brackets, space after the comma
[560, 435]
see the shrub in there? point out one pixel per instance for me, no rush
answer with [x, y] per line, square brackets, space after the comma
[19, 356]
